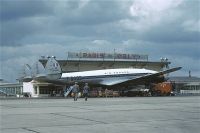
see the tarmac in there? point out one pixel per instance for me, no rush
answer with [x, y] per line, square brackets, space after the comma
[101, 115]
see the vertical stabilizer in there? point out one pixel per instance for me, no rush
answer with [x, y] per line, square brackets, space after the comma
[38, 69]
[26, 75]
[53, 69]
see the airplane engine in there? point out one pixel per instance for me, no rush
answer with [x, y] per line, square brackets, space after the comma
[53, 69]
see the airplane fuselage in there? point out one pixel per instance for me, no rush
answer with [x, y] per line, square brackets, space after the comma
[97, 76]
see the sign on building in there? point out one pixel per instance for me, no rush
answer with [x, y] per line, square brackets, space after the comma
[116, 56]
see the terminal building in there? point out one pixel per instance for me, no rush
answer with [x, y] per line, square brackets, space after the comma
[76, 62]
[84, 61]
[10, 89]
[186, 85]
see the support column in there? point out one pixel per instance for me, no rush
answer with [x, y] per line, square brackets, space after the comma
[38, 89]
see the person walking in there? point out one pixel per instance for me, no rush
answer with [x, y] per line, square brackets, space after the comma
[75, 91]
[86, 91]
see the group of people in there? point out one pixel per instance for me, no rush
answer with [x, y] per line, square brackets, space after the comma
[75, 91]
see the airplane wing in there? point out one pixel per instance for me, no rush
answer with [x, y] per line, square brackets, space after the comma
[110, 82]
[148, 77]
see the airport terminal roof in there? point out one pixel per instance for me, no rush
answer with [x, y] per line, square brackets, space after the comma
[185, 79]
[99, 63]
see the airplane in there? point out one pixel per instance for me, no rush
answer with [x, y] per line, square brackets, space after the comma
[105, 77]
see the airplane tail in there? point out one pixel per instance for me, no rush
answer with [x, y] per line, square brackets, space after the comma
[53, 69]
[38, 70]
[26, 75]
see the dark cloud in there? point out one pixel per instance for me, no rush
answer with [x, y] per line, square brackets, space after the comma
[16, 9]
[175, 23]
[31, 28]
[170, 34]
[13, 31]
[19, 19]
[92, 13]
[181, 49]
[172, 27]
[69, 18]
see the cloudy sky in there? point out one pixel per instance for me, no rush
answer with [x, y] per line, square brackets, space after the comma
[159, 28]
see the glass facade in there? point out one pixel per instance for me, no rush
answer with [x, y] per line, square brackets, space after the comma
[11, 89]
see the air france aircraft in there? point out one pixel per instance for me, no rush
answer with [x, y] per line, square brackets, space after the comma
[105, 77]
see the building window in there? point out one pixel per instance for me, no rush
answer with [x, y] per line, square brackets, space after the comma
[44, 91]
